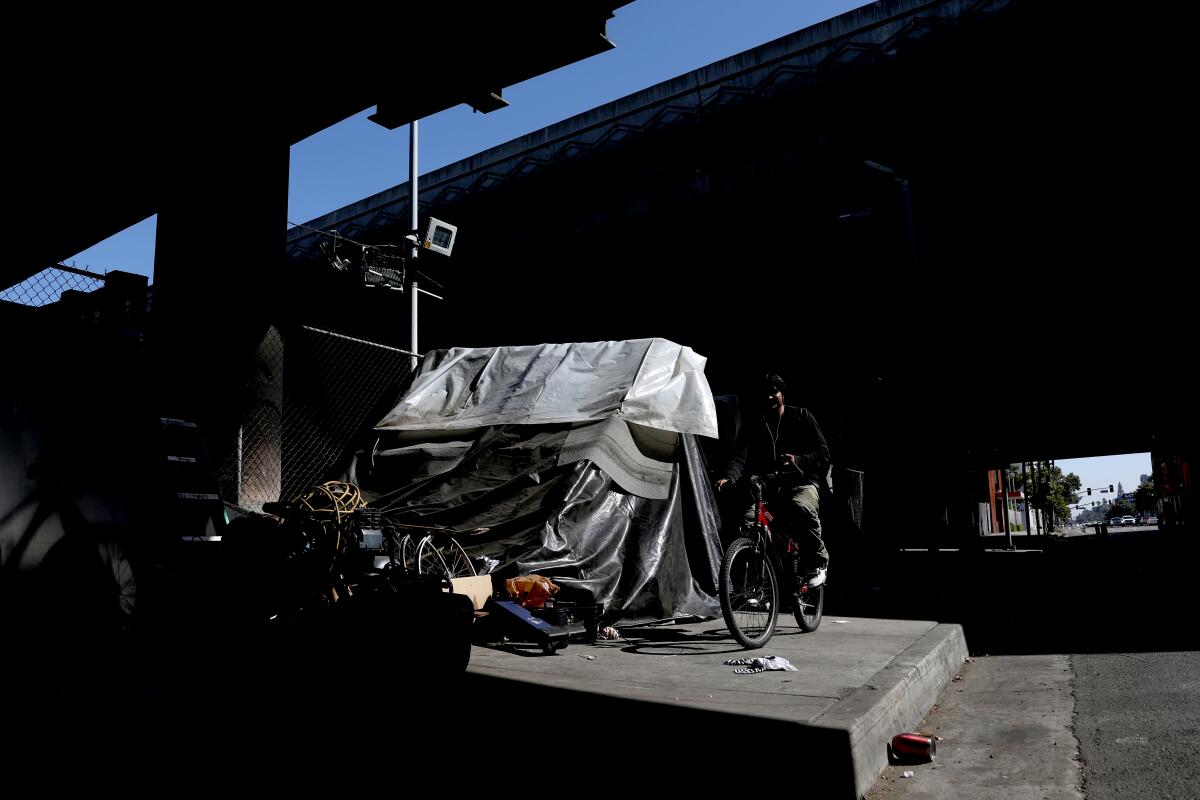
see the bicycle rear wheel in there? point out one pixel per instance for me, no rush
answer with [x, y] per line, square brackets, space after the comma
[808, 607]
[749, 594]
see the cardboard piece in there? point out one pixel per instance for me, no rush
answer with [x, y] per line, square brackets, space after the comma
[478, 588]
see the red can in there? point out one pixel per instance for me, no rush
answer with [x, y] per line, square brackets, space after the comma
[914, 746]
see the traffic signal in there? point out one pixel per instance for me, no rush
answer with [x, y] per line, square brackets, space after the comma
[1110, 487]
[1089, 492]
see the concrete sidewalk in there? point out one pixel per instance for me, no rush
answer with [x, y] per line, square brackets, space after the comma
[858, 682]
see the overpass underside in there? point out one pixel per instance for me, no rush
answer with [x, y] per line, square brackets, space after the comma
[731, 209]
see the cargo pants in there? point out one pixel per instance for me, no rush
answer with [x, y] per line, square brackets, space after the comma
[797, 512]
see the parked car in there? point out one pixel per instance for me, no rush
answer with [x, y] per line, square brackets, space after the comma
[1128, 520]
[1114, 522]
[1151, 520]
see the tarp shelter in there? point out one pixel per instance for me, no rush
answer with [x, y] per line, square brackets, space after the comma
[580, 459]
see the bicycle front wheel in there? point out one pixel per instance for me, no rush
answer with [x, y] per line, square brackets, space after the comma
[749, 594]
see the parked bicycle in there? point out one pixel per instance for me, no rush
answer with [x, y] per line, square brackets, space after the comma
[431, 550]
[756, 579]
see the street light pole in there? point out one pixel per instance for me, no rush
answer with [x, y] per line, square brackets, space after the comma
[413, 224]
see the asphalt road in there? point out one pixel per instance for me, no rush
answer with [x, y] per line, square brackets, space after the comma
[1137, 718]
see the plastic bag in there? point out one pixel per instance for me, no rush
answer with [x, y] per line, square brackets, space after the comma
[531, 591]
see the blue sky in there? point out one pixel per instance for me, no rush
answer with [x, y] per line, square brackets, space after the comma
[1096, 472]
[655, 40]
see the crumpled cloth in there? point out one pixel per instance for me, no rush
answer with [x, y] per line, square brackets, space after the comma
[760, 664]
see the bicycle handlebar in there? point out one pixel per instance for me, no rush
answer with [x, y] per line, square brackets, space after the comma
[763, 476]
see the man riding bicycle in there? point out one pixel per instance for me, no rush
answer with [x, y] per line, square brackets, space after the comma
[786, 439]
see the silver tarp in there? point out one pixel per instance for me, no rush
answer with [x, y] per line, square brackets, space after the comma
[563, 468]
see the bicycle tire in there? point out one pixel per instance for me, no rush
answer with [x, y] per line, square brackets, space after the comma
[807, 611]
[115, 562]
[458, 561]
[446, 558]
[749, 593]
[406, 553]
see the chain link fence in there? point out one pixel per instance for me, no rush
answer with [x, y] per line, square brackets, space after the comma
[848, 484]
[311, 393]
[47, 286]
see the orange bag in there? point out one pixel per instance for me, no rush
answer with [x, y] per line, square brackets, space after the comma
[531, 591]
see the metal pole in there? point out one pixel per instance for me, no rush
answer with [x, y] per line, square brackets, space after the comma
[1008, 545]
[412, 254]
[1036, 477]
[1050, 521]
[1049, 526]
[412, 287]
[1027, 475]
[238, 493]
[412, 187]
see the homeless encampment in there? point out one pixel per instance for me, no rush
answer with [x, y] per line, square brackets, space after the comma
[580, 460]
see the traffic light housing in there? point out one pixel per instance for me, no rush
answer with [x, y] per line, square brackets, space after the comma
[1110, 487]
[1089, 492]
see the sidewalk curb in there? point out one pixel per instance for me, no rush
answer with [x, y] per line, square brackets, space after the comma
[896, 699]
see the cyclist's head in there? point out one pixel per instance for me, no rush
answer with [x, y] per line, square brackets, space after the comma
[770, 388]
[772, 383]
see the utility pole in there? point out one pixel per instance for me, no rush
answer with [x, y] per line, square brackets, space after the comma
[413, 217]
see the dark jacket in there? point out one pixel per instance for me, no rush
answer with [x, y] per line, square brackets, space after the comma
[763, 438]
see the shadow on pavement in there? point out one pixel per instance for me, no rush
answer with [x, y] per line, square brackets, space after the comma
[1084, 594]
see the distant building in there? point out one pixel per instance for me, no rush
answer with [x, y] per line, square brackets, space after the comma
[1004, 490]
[1145, 479]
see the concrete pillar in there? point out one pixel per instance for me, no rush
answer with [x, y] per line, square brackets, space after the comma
[218, 265]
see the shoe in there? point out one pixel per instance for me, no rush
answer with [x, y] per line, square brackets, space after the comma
[816, 578]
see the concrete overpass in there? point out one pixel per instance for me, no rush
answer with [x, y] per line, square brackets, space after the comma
[116, 121]
[730, 208]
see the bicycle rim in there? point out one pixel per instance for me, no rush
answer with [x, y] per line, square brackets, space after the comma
[749, 594]
[446, 558]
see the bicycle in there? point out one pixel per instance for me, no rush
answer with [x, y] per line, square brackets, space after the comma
[436, 552]
[750, 589]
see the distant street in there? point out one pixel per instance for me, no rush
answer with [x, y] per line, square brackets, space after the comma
[1090, 530]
